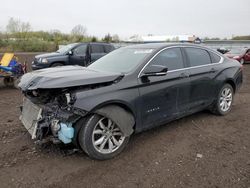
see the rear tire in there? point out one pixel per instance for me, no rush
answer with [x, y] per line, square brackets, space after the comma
[224, 101]
[101, 138]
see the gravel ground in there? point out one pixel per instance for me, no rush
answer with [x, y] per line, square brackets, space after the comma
[201, 150]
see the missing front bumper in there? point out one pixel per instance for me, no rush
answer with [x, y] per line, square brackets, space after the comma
[31, 114]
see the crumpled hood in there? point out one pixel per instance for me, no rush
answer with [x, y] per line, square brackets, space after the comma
[65, 76]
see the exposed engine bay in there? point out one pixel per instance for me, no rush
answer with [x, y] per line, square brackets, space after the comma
[56, 115]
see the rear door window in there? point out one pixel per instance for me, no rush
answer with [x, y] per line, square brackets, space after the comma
[97, 48]
[197, 56]
[108, 48]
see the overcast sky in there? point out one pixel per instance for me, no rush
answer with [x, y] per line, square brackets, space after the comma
[212, 18]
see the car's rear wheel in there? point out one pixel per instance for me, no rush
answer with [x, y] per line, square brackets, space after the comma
[223, 104]
[101, 138]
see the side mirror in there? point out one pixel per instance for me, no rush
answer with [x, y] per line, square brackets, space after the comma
[155, 70]
[70, 53]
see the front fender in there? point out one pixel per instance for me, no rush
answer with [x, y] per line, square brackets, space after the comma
[94, 99]
[52, 60]
[120, 116]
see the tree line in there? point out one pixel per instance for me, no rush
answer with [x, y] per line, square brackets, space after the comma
[19, 36]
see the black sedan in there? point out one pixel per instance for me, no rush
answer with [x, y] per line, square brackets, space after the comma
[129, 90]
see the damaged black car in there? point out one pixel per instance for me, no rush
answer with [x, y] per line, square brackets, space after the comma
[131, 89]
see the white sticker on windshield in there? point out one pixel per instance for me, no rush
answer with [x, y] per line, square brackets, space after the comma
[143, 51]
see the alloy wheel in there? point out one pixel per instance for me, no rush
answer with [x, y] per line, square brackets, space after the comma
[226, 99]
[107, 136]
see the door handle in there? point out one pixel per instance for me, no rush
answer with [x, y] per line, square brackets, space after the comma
[184, 75]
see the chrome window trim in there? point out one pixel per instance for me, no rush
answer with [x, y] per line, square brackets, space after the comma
[187, 68]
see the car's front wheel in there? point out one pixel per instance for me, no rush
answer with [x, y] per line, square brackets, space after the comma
[56, 65]
[223, 104]
[101, 138]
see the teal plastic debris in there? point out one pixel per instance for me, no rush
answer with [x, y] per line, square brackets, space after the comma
[66, 133]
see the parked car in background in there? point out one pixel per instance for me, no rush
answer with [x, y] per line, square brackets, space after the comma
[81, 54]
[241, 55]
[129, 90]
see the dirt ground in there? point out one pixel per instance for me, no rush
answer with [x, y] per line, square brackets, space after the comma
[201, 150]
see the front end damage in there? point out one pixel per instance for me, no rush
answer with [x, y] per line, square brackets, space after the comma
[50, 115]
[48, 109]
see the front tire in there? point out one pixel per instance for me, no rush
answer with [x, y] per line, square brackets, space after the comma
[223, 104]
[56, 65]
[101, 138]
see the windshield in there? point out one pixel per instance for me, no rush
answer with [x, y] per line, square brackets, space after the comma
[122, 60]
[236, 51]
[66, 48]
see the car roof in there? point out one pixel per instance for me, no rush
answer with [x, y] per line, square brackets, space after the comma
[103, 43]
[161, 45]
